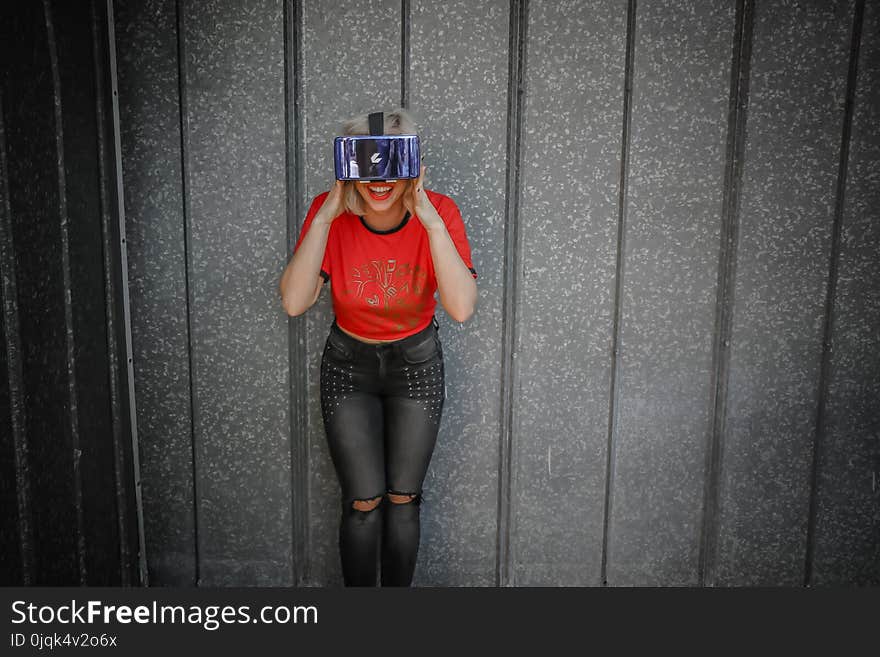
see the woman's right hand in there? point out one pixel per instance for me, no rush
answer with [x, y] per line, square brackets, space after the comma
[333, 205]
[301, 282]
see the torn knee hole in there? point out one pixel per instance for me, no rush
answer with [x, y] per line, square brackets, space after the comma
[366, 505]
[402, 498]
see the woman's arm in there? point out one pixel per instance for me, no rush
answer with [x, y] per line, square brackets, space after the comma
[455, 282]
[301, 281]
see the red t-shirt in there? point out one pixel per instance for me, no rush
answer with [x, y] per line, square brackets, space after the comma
[383, 282]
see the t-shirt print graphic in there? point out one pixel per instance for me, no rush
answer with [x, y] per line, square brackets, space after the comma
[385, 285]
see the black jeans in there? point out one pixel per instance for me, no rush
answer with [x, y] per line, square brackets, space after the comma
[381, 405]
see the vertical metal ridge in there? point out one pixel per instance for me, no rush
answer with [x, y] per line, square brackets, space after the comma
[611, 447]
[184, 183]
[291, 338]
[515, 98]
[14, 367]
[73, 418]
[726, 283]
[297, 353]
[831, 291]
[405, 29]
[110, 318]
[109, 289]
[123, 283]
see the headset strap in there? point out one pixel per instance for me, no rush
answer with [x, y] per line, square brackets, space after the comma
[377, 123]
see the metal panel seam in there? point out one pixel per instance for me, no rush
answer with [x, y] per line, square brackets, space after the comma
[518, 26]
[110, 319]
[726, 283]
[831, 290]
[297, 354]
[405, 29]
[14, 369]
[73, 419]
[126, 301]
[611, 449]
[184, 181]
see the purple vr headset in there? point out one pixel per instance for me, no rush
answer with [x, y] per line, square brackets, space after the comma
[376, 156]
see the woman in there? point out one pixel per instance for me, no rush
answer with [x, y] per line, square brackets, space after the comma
[385, 247]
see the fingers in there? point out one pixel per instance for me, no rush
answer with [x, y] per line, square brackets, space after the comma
[336, 191]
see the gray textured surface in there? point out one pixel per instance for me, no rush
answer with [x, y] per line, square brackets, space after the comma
[459, 91]
[679, 112]
[65, 490]
[337, 83]
[237, 231]
[848, 518]
[797, 87]
[568, 224]
[14, 522]
[35, 197]
[76, 60]
[568, 227]
[146, 35]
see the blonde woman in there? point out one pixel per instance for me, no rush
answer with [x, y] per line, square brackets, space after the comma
[386, 247]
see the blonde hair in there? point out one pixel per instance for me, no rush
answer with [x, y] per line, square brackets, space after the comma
[397, 122]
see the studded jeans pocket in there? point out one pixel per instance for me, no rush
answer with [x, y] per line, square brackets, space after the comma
[422, 351]
[337, 377]
[336, 348]
[425, 381]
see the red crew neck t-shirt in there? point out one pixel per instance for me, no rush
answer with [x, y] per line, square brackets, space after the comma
[383, 282]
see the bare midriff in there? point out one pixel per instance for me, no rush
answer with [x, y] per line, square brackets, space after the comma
[362, 339]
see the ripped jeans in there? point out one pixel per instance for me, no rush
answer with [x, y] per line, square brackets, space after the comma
[381, 405]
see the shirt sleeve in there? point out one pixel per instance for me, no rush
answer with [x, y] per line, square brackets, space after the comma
[310, 216]
[455, 227]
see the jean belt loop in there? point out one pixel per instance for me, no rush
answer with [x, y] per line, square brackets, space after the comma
[436, 323]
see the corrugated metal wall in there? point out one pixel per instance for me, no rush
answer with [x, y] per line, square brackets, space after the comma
[673, 374]
[67, 463]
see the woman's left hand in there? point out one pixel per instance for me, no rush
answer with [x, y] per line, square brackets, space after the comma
[420, 205]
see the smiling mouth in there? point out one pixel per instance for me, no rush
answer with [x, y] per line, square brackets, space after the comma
[379, 192]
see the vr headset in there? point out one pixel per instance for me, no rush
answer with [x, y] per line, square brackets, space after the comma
[376, 156]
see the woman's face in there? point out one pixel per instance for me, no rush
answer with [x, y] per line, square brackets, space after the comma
[381, 196]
